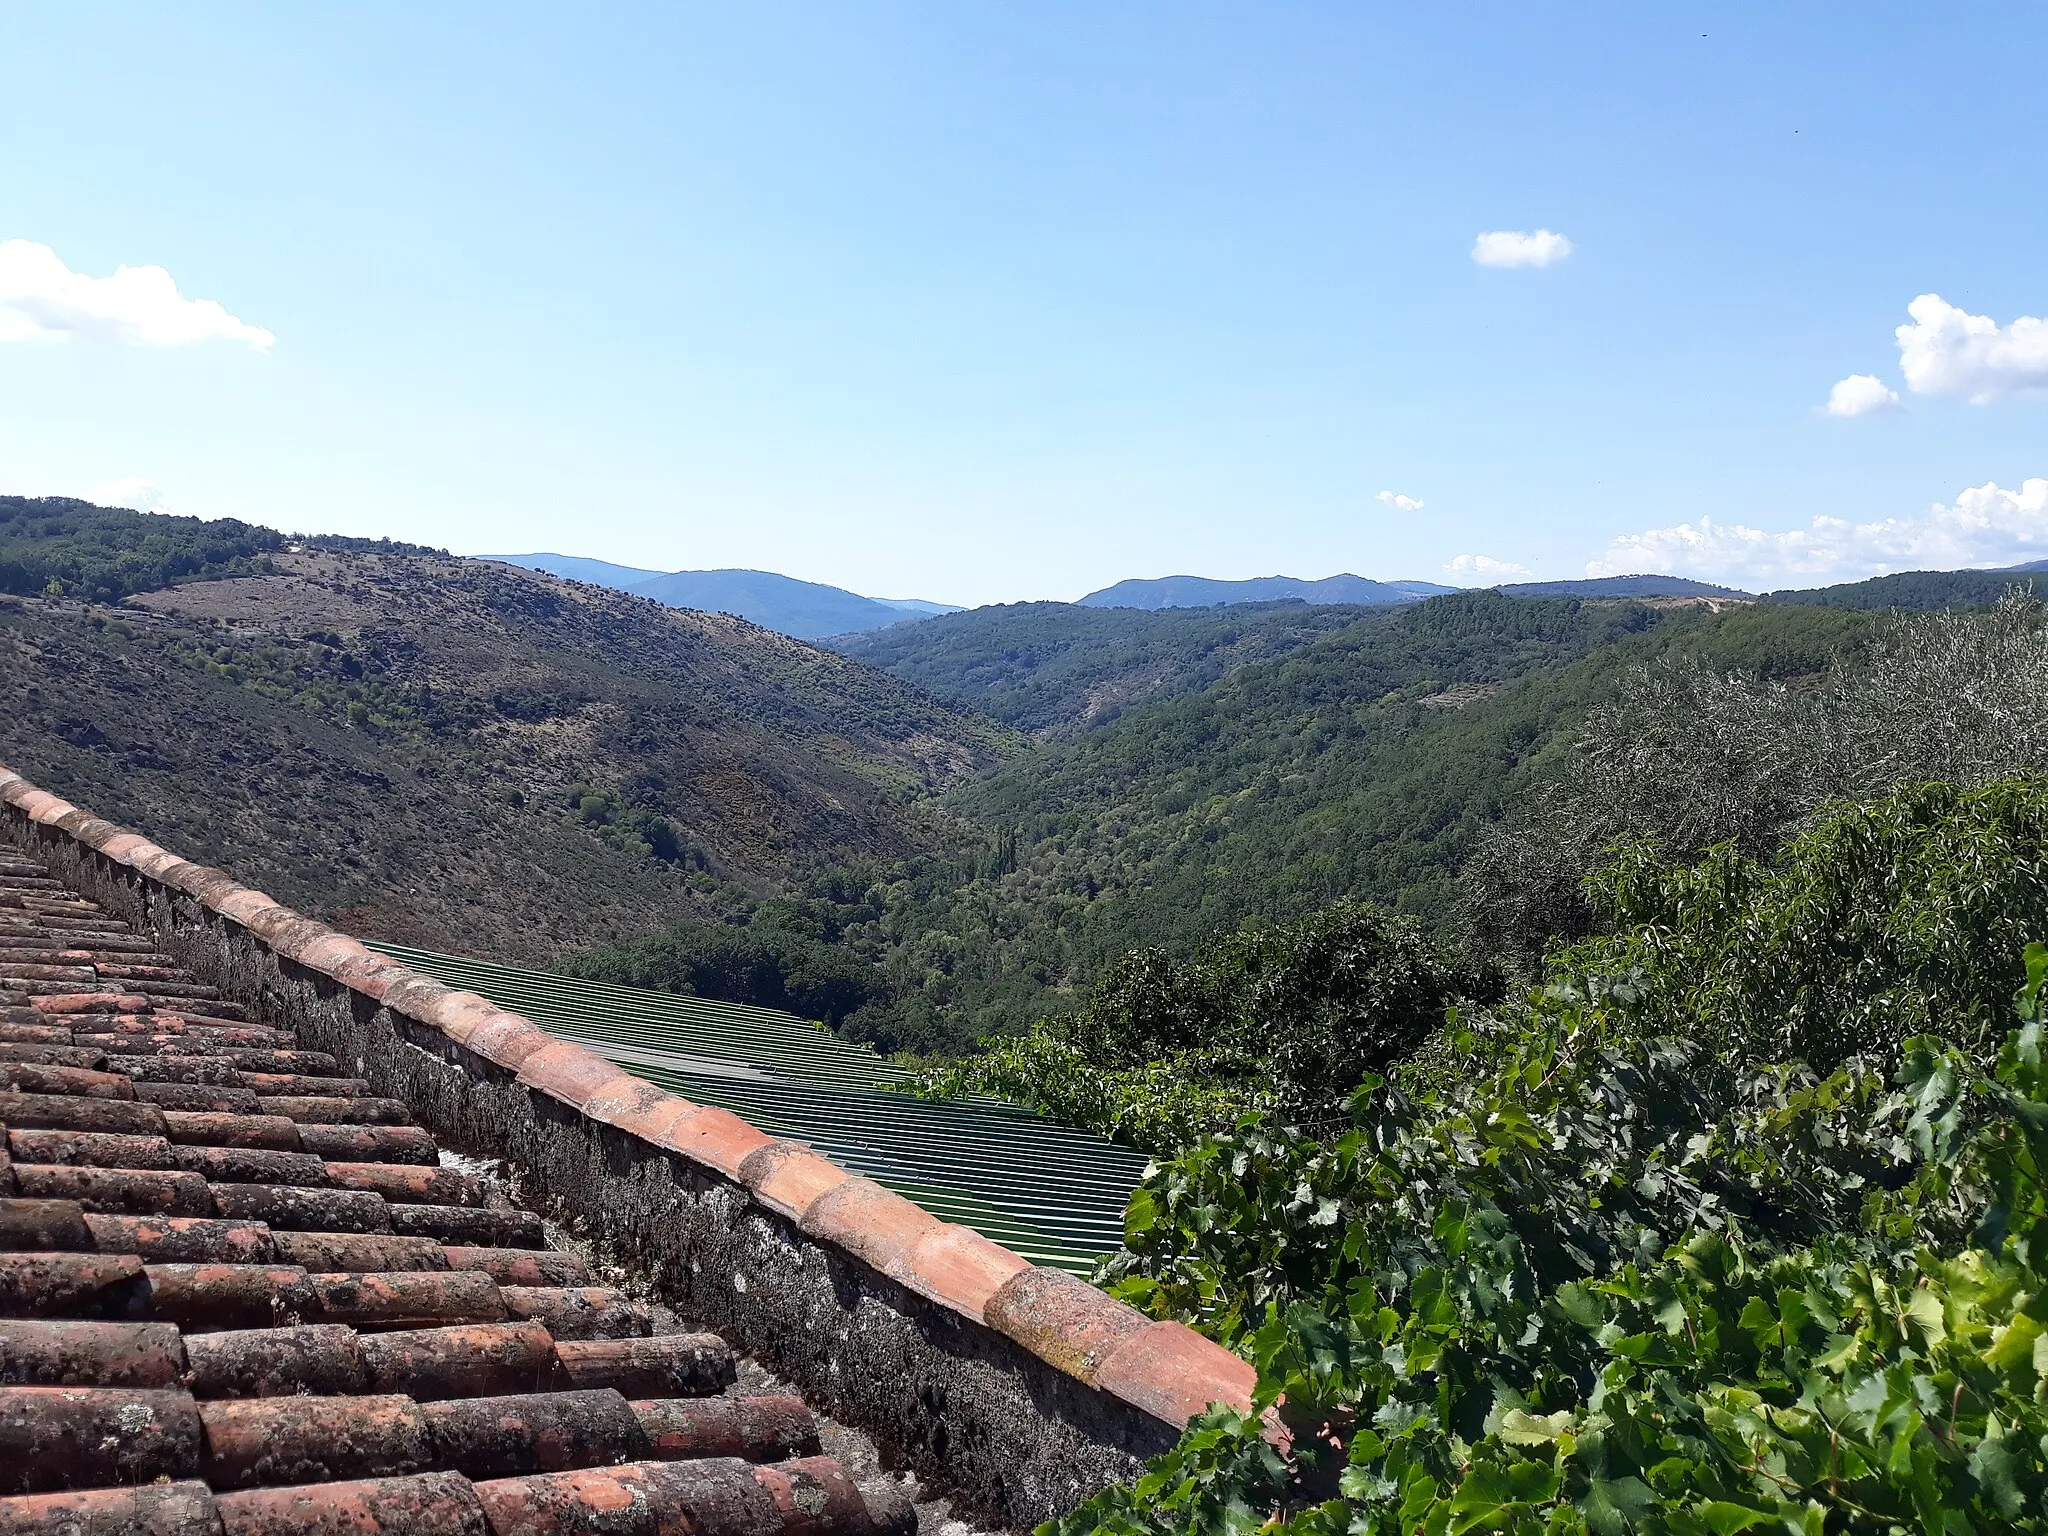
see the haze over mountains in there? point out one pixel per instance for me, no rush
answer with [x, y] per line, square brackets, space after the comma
[809, 610]
[803, 610]
[1203, 592]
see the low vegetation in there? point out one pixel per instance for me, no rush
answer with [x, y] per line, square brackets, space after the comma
[1620, 1284]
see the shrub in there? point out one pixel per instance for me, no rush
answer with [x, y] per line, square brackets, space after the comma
[1691, 758]
[1533, 1306]
[766, 966]
[1284, 1019]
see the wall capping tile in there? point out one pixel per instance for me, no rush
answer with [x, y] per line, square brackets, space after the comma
[507, 1041]
[245, 906]
[1062, 1319]
[716, 1138]
[788, 1177]
[958, 1268]
[655, 1122]
[1171, 1372]
[568, 1073]
[876, 1225]
[626, 1096]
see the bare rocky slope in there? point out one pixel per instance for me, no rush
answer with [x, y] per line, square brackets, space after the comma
[471, 757]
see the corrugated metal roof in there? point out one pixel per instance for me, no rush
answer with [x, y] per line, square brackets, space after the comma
[1051, 1193]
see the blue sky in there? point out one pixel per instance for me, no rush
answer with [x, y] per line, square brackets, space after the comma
[980, 303]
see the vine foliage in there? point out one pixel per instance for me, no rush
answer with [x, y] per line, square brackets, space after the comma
[1613, 1288]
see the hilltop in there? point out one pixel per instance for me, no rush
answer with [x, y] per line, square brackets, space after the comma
[1621, 586]
[1054, 668]
[473, 757]
[806, 610]
[1919, 591]
[1207, 592]
[58, 546]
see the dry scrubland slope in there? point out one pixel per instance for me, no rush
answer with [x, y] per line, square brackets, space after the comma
[392, 741]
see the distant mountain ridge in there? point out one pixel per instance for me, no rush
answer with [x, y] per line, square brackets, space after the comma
[1621, 586]
[803, 610]
[808, 610]
[1206, 592]
[1919, 591]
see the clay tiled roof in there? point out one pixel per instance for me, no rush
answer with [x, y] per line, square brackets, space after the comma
[239, 1294]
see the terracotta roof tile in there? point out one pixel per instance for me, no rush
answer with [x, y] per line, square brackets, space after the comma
[1173, 1373]
[875, 1224]
[570, 1073]
[789, 1178]
[714, 1137]
[1061, 1319]
[239, 1294]
[958, 1268]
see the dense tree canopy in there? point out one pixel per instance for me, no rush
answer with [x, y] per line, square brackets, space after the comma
[1691, 754]
[1275, 1021]
[780, 960]
[74, 549]
[59, 547]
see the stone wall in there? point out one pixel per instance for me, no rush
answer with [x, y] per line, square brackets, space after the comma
[1023, 1387]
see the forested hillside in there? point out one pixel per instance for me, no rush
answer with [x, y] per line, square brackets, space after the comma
[1057, 668]
[475, 758]
[1729, 1216]
[1367, 762]
[58, 547]
[1920, 591]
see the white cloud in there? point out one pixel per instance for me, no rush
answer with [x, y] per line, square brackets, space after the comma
[1519, 248]
[1399, 502]
[1948, 351]
[1484, 570]
[42, 299]
[130, 491]
[1861, 394]
[1987, 527]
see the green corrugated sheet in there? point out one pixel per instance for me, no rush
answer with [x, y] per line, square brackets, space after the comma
[1052, 1194]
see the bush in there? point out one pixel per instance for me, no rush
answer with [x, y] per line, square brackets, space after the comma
[764, 965]
[1691, 758]
[1898, 917]
[1622, 1285]
[1735, 1223]
[1285, 1020]
[635, 829]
